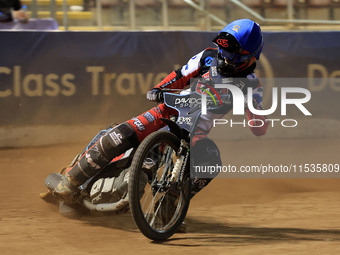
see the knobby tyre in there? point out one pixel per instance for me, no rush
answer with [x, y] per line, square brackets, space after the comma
[158, 208]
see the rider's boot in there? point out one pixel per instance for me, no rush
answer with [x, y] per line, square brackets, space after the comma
[118, 140]
[66, 189]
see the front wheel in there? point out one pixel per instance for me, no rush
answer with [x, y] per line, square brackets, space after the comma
[157, 204]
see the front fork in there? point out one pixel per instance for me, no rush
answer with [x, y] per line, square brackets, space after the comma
[176, 172]
[181, 162]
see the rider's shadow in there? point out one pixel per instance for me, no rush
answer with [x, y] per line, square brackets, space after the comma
[218, 234]
[204, 233]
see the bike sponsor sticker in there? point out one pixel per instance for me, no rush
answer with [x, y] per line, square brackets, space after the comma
[184, 120]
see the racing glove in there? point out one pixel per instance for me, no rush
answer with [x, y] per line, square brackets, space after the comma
[155, 95]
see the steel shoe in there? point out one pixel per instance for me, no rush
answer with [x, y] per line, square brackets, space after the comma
[66, 190]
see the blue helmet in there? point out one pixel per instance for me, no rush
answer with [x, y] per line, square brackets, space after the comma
[240, 41]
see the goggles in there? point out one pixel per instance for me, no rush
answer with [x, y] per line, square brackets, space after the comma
[236, 55]
[235, 58]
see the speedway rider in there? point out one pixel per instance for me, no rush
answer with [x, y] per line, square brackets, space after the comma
[239, 46]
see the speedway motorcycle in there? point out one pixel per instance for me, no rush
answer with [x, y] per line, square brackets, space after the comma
[157, 174]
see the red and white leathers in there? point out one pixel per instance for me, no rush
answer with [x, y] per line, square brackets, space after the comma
[128, 134]
[198, 66]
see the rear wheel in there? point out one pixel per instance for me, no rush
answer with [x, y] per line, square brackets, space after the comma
[158, 205]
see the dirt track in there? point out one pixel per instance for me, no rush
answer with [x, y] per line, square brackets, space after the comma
[231, 216]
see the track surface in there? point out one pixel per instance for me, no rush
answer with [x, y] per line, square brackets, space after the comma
[230, 216]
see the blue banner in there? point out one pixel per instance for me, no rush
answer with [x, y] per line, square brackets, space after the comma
[102, 77]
